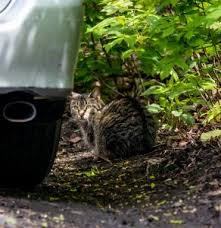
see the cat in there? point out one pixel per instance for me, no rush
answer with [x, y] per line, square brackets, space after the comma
[118, 130]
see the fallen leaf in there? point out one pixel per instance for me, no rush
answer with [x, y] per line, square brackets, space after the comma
[176, 221]
[206, 136]
[152, 185]
[75, 139]
[153, 218]
[10, 221]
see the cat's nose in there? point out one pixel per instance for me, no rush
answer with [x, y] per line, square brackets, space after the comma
[81, 113]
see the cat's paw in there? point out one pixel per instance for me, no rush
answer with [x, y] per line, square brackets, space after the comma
[99, 156]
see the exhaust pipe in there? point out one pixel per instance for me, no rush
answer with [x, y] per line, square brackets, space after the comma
[19, 111]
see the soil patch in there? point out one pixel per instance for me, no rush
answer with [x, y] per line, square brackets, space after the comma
[178, 183]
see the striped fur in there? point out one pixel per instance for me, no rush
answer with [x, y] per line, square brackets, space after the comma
[121, 129]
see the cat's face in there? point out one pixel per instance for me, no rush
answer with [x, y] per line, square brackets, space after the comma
[85, 107]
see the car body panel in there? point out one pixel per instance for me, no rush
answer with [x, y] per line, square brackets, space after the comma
[39, 42]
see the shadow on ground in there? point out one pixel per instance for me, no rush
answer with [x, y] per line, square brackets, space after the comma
[176, 184]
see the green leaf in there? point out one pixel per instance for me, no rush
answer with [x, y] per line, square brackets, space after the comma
[127, 54]
[152, 185]
[180, 88]
[112, 7]
[177, 113]
[188, 119]
[207, 136]
[214, 113]
[110, 45]
[155, 90]
[214, 13]
[179, 61]
[121, 20]
[176, 221]
[100, 27]
[168, 31]
[130, 40]
[208, 84]
[154, 108]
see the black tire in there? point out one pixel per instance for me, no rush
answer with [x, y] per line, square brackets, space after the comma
[27, 152]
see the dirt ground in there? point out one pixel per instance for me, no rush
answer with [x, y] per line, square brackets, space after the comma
[178, 184]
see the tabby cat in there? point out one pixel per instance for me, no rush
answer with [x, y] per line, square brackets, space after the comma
[121, 129]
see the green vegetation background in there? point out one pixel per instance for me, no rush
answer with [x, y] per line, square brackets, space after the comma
[170, 48]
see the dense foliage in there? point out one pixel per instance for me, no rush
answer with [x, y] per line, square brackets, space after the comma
[171, 46]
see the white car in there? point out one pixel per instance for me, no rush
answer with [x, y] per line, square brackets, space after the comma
[39, 42]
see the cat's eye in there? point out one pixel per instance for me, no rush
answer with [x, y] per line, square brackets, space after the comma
[75, 107]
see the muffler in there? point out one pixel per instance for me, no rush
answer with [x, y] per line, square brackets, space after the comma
[19, 112]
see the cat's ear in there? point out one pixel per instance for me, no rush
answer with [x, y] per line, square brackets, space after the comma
[96, 92]
[75, 95]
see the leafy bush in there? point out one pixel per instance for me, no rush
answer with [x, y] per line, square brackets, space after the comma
[172, 46]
